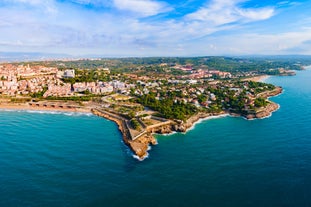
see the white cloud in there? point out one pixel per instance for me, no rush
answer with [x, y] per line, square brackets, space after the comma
[142, 7]
[220, 12]
[254, 43]
[47, 6]
[98, 3]
[115, 27]
[33, 2]
[256, 14]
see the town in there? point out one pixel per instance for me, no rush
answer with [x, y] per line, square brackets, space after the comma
[142, 100]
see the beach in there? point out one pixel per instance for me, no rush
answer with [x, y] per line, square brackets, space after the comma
[26, 106]
[260, 78]
[140, 145]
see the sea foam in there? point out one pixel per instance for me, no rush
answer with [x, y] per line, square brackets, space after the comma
[143, 158]
[205, 119]
[49, 112]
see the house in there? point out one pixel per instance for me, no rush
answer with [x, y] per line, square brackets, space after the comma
[69, 74]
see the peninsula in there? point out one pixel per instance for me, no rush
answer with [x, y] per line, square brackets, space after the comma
[141, 98]
[138, 131]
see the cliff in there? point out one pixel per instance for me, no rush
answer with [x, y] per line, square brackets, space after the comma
[184, 126]
[271, 107]
[140, 145]
[265, 112]
[274, 92]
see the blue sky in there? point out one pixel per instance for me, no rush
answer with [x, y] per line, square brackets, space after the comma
[117, 28]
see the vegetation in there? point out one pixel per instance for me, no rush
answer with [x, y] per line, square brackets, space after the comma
[20, 100]
[260, 64]
[164, 85]
[39, 94]
[135, 124]
[168, 107]
[88, 76]
[260, 102]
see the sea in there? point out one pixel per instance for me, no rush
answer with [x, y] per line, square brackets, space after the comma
[52, 159]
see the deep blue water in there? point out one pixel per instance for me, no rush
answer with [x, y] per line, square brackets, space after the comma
[78, 160]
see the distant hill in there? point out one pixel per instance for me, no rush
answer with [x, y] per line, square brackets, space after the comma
[27, 56]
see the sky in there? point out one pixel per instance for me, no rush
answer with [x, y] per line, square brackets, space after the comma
[125, 28]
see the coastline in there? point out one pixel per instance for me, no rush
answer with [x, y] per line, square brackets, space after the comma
[261, 78]
[27, 107]
[200, 120]
[307, 67]
[141, 145]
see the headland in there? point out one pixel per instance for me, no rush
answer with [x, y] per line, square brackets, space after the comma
[139, 142]
[147, 98]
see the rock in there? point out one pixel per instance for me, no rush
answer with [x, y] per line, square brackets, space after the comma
[140, 149]
[265, 112]
[268, 110]
[250, 116]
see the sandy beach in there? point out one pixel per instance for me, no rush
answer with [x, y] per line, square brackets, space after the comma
[26, 106]
[260, 78]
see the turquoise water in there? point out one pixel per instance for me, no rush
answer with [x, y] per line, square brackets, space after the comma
[79, 160]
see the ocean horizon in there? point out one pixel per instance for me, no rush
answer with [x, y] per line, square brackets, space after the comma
[70, 159]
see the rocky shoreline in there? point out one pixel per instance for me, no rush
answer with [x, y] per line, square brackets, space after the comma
[269, 109]
[265, 112]
[140, 146]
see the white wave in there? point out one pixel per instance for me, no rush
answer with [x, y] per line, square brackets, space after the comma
[77, 114]
[307, 67]
[141, 159]
[7, 110]
[49, 112]
[156, 143]
[205, 119]
[266, 117]
[277, 95]
[167, 134]
[253, 119]
[197, 122]
[130, 152]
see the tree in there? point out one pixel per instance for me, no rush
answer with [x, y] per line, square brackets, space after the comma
[260, 102]
[135, 124]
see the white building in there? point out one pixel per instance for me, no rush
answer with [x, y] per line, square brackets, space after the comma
[69, 74]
